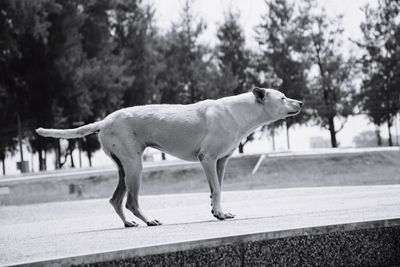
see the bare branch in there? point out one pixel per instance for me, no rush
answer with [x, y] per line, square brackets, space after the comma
[341, 126]
[361, 44]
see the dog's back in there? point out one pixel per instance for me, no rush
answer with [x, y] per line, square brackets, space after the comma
[165, 127]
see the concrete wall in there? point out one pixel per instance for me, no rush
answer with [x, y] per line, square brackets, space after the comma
[102, 185]
[275, 172]
[372, 247]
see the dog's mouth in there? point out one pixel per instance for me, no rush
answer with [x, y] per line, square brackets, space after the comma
[291, 113]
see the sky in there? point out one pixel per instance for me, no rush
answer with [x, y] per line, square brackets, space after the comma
[212, 13]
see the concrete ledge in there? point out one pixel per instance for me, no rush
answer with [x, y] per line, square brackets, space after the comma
[372, 243]
[322, 226]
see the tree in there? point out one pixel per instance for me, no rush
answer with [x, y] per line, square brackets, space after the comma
[61, 66]
[7, 132]
[26, 64]
[380, 90]
[7, 145]
[102, 78]
[90, 144]
[333, 85]
[136, 40]
[233, 61]
[41, 71]
[189, 73]
[283, 38]
[233, 57]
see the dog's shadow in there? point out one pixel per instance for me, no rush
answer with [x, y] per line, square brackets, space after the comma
[169, 224]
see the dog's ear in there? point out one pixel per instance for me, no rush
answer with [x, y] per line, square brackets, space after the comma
[260, 94]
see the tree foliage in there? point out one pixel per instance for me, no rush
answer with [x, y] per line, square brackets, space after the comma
[60, 64]
[282, 36]
[332, 89]
[233, 61]
[189, 73]
[380, 90]
[65, 63]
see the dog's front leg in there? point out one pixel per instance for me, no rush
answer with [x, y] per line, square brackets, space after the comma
[210, 169]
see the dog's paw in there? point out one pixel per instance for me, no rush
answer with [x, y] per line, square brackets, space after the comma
[153, 223]
[131, 224]
[222, 216]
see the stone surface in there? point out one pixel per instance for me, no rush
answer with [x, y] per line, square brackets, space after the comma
[371, 247]
[366, 247]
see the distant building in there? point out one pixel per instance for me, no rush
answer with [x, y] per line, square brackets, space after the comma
[319, 142]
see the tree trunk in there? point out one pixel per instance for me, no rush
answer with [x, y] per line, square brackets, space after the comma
[72, 159]
[241, 146]
[21, 151]
[58, 154]
[397, 130]
[287, 135]
[80, 152]
[45, 160]
[390, 142]
[273, 140]
[89, 155]
[332, 131]
[378, 136]
[40, 159]
[162, 155]
[4, 166]
[31, 152]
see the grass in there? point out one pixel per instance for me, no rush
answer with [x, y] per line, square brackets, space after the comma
[329, 170]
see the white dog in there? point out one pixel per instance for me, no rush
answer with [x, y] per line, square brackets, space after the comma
[208, 131]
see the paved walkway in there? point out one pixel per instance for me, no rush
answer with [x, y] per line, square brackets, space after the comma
[53, 230]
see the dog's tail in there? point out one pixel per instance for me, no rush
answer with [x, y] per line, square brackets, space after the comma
[71, 133]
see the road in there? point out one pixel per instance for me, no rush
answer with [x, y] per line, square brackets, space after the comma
[53, 230]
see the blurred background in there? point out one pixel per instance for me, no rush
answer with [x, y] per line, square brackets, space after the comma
[65, 63]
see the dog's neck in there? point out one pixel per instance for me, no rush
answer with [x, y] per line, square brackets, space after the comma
[248, 114]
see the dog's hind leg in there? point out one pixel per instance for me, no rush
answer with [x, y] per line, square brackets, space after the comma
[119, 193]
[133, 175]
[116, 150]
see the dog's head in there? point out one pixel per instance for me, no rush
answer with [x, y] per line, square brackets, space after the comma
[276, 104]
